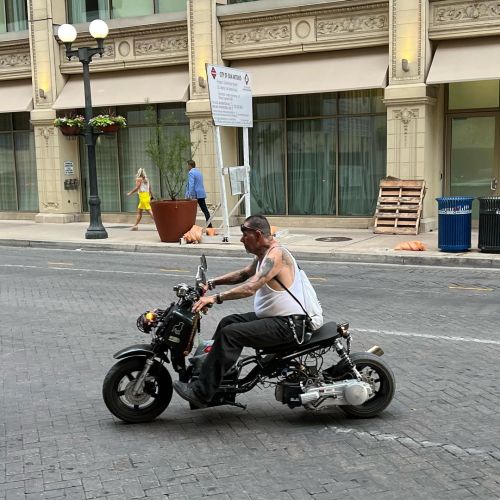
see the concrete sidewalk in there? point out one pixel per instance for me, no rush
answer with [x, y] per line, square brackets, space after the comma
[355, 245]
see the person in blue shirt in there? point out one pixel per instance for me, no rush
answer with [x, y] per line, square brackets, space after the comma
[195, 188]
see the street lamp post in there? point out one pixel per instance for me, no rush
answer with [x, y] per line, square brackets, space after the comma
[67, 34]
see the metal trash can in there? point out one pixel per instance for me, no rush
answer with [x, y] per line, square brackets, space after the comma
[489, 224]
[454, 220]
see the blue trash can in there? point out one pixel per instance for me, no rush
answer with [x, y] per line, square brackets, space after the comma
[454, 219]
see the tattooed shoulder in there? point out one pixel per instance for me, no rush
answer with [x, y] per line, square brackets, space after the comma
[267, 265]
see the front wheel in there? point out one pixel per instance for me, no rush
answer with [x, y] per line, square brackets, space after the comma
[122, 402]
[381, 379]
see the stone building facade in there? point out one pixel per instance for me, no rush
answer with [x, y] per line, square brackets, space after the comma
[345, 92]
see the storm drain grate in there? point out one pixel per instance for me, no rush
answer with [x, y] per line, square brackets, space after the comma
[333, 239]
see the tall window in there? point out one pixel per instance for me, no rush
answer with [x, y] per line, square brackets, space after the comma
[13, 16]
[318, 154]
[120, 155]
[81, 11]
[18, 182]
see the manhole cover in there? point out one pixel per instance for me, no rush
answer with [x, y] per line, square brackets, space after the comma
[333, 239]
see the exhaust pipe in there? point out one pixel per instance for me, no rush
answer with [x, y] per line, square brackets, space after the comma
[377, 350]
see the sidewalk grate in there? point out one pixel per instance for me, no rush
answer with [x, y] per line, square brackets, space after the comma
[333, 239]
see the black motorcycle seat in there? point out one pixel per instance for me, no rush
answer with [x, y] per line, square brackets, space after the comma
[320, 336]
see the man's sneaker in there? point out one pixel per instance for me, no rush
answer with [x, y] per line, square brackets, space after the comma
[186, 391]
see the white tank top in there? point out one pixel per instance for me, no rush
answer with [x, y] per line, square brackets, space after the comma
[270, 303]
[144, 187]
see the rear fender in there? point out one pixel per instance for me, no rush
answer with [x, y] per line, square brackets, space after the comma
[141, 350]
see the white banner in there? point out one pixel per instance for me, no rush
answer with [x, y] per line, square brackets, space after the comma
[230, 96]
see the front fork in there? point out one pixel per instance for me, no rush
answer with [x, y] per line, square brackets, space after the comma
[139, 383]
[344, 356]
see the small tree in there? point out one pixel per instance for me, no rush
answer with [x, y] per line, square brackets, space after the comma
[169, 153]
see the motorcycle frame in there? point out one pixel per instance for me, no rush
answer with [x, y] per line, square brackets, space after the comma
[265, 364]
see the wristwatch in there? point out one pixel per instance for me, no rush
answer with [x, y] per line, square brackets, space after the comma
[211, 284]
[218, 299]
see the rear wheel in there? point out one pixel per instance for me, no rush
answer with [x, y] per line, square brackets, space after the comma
[379, 376]
[122, 402]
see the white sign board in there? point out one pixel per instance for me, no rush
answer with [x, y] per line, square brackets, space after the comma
[68, 168]
[230, 96]
[237, 179]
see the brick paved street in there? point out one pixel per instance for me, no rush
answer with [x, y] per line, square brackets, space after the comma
[62, 321]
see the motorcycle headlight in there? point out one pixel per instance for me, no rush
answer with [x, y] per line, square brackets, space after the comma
[147, 321]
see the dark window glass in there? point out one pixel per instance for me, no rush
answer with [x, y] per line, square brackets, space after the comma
[81, 11]
[18, 181]
[174, 114]
[21, 121]
[131, 8]
[84, 11]
[361, 101]
[301, 106]
[135, 115]
[5, 121]
[13, 16]
[171, 6]
[265, 108]
[307, 160]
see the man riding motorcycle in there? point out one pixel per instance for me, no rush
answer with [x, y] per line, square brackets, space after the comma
[277, 319]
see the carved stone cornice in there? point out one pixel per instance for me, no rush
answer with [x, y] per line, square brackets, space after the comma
[131, 49]
[455, 19]
[15, 60]
[245, 36]
[318, 28]
[340, 25]
[161, 45]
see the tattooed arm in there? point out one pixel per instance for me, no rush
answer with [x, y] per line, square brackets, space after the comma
[271, 266]
[235, 277]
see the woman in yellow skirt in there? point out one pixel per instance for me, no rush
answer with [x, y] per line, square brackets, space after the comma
[143, 189]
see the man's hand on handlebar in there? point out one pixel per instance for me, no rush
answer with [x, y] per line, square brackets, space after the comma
[204, 303]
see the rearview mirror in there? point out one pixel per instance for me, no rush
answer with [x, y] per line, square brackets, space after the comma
[203, 262]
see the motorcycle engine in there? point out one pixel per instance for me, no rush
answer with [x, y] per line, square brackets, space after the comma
[302, 388]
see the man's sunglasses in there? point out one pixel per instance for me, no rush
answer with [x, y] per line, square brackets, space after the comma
[246, 228]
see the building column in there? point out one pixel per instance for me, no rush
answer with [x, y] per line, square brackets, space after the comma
[414, 131]
[57, 157]
[204, 48]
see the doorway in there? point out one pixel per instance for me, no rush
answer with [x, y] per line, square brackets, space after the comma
[474, 156]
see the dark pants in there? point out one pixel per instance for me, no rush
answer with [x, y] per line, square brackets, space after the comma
[204, 209]
[233, 333]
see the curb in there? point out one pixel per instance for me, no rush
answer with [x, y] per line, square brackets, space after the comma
[446, 260]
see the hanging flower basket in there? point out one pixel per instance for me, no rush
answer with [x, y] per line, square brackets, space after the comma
[70, 125]
[108, 129]
[107, 124]
[70, 130]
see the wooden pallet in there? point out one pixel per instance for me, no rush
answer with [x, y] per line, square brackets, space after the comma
[399, 206]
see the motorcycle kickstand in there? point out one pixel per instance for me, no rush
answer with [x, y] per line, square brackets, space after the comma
[234, 403]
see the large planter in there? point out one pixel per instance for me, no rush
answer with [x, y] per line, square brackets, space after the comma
[67, 130]
[173, 218]
[109, 129]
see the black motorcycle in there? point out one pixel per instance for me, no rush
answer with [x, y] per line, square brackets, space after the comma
[138, 387]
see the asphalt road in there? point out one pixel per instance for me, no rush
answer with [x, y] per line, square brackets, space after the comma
[64, 313]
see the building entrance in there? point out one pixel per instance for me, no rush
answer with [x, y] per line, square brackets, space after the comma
[474, 156]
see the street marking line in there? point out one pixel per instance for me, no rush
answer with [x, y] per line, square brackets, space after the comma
[428, 336]
[314, 278]
[94, 270]
[475, 288]
[60, 263]
[174, 270]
